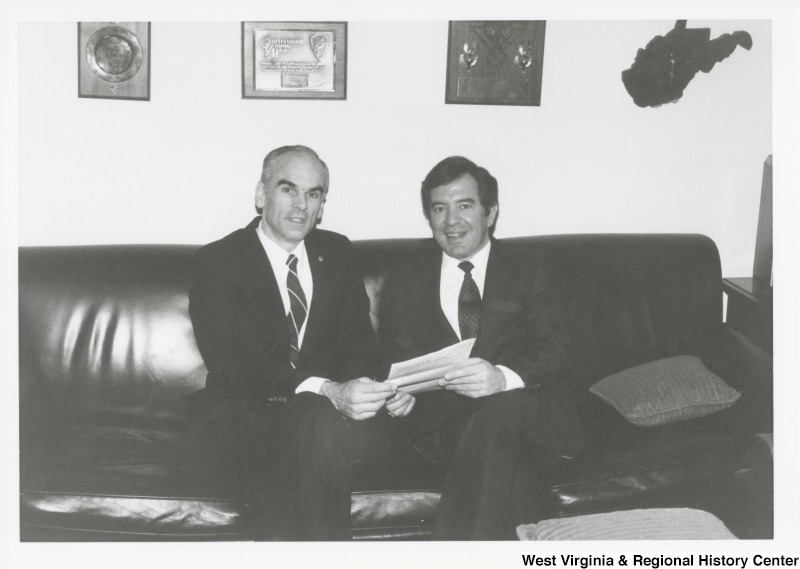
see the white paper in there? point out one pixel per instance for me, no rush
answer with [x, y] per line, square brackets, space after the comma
[422, 374]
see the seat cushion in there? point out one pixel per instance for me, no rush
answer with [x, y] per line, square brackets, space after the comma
[61, 516]
[100, 481]
[396, 515]
[624, 466]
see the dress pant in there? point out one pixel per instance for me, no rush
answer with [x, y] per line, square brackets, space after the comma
[290, 461]
[495, 449]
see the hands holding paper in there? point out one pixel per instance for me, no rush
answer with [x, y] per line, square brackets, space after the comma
[450, 368]
[424, 372]
[401, 404]
[476, 379]
[358, 398]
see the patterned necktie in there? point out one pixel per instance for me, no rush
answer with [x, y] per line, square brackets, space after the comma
[297, 312]
[469, 303]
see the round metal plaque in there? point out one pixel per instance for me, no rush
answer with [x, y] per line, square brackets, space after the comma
[114, 54]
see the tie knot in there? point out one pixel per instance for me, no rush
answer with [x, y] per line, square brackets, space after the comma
[466, 266]
[292, 262]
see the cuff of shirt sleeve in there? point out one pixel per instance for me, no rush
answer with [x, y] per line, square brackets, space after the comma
[513, 380]
[312, 384]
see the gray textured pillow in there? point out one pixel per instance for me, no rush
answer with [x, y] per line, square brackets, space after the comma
[664, 391]
[654, 524]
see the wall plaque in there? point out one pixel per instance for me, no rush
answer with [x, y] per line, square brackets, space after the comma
[114, 60]
[495, 62]
[294, 60]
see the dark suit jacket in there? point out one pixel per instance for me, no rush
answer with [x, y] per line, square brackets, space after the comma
[523, 326]
[522, 320]
[240, 323]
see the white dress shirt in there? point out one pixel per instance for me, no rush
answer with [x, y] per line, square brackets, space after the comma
[449, 288]
[277, 259]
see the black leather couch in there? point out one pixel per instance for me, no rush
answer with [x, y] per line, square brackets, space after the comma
[107, 356]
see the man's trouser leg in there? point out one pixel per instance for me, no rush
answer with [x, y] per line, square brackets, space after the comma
[302, 471]
[500, 447]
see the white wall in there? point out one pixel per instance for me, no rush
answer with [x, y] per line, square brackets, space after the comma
[182, 167]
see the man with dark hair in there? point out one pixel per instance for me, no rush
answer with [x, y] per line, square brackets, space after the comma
[282, 321]
[504, 416]
[455, 167]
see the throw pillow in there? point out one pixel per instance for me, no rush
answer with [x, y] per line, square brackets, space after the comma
[664, 391]
[654, 524]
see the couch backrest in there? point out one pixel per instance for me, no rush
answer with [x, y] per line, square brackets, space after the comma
[114, 319]
[635, 298]
[107, 320]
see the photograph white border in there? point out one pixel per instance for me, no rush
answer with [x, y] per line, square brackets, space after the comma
[785, 17]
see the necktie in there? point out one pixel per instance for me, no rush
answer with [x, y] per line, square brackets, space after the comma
[469, 303]
[297, 312]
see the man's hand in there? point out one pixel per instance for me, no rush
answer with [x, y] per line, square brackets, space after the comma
[400, 405]
[476, 379]
[358, 398]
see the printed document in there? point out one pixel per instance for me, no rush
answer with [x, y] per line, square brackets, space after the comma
[423, 373]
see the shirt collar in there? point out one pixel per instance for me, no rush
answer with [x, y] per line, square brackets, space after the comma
[277, 254]
[479, 260]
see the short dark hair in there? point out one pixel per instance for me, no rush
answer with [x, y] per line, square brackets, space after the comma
[451, 169]
[269, 160]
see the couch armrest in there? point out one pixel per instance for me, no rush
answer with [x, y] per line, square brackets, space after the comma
[746, 367]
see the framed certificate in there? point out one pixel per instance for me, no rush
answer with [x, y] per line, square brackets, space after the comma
[495, 62]
[294, 60]
[114, 60]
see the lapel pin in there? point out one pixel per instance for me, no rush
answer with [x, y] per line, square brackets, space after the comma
[320, 258]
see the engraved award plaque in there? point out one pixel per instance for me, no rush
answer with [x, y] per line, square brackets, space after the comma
[114, 60]
[495, 62]
[300, 60]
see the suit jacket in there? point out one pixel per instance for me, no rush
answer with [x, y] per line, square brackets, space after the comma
[240, 323]
[523, 324]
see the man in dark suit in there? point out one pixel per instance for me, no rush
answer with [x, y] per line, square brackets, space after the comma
[281, 318]
[504, 416]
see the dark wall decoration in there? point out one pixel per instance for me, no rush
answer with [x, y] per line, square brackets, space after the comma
[663, 69]
[495, 62]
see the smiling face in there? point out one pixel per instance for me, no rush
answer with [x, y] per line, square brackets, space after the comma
[291, 195]
[459, 222]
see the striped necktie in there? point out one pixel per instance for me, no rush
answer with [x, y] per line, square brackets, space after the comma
[297, 312]
[469, 303]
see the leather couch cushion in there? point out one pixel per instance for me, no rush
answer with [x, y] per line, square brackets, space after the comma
[624, 466]
[393, 514]
[57, 516]
[108, 322]
[103, 458]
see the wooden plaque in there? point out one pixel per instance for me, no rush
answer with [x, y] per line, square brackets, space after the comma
[114, 60]
[495, 62]
[294, 60]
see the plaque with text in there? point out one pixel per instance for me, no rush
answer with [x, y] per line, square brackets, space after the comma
[294, 60]
[114, 60]
[495, 62]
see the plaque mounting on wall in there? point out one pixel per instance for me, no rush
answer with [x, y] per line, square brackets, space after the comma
[114, 60]
[495, 62]
[294, 60]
